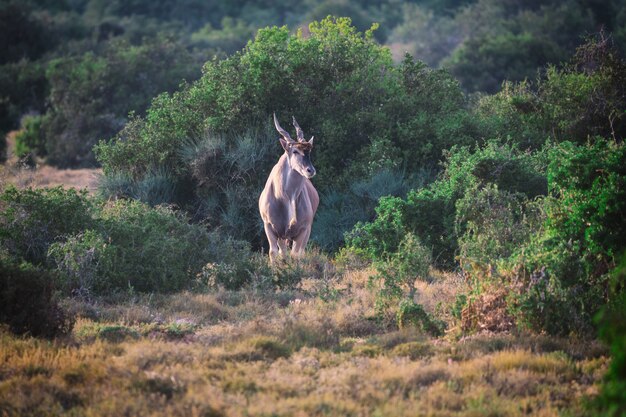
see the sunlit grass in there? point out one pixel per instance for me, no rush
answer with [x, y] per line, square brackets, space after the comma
[292, 353]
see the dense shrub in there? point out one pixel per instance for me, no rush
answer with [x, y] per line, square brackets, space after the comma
[412, 314]
[91, 95]
[439, 212]
[29, 139]
[406, 115]
[612, 329]
[550, 258]
[580, 100]
[564, 268]
[341, 210]
[33, 219]
[27, 303]
[147, 249]
[495, 223]
[395, 283]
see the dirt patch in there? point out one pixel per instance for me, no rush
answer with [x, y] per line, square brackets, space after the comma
[47, 176]
[16, 173]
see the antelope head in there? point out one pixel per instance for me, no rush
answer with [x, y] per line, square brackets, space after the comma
[298, 152]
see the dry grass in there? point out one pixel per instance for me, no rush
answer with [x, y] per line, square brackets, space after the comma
[312, 352]
[47, 176]
[20, 175]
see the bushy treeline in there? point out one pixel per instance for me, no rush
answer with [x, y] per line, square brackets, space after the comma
[540, 225]
[488, 41]
[72, 70]
[99, 247]
[373, 122]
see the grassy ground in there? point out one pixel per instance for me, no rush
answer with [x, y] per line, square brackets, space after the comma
[314, 351]
[13, 171]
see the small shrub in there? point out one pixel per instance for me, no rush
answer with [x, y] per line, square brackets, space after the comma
[29, 139]
[27, 302]
[371, 351]
[399, 272]
[83, 261]
[102, 331]
[32, 219]
[270, 347]
[413, 350]
[457, 308]
[226, 275]
[258, 348]
[412, 314]
[488, 311]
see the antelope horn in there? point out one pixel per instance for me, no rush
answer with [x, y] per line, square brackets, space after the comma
[281, 130]
[299, 131]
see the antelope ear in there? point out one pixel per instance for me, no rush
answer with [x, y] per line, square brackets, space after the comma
[285, 144]
[311, 140]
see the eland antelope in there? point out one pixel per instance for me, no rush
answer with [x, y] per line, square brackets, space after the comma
[289, 200]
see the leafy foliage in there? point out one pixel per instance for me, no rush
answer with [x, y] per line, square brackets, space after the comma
[436, 213]
[90, 96]
[583, 99]
[28, 140]
[581, 236]
[412, 314]
[611, 320]
[147, 249]
[33, 219]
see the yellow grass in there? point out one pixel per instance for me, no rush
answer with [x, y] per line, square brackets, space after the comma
[286, 354]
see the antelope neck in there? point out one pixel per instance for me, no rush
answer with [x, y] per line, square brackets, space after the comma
[291, 182]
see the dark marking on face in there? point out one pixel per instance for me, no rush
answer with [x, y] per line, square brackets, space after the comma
[305, 147]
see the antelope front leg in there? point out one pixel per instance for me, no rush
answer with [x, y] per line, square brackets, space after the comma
[273, 241]
[299, 243]
[283, 247]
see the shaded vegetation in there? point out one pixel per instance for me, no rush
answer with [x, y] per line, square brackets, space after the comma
[28, 301]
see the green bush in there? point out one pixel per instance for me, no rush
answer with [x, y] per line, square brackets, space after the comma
[27, 303]
[33, 219]
[83, 260]
[397, 274]
[582, 99]
[495, 224]
[342, 210]
[29, 140]
[579, 240]
[412, 314]
[611, 321]
[146, 249]
[405, 116]
[431, 212]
